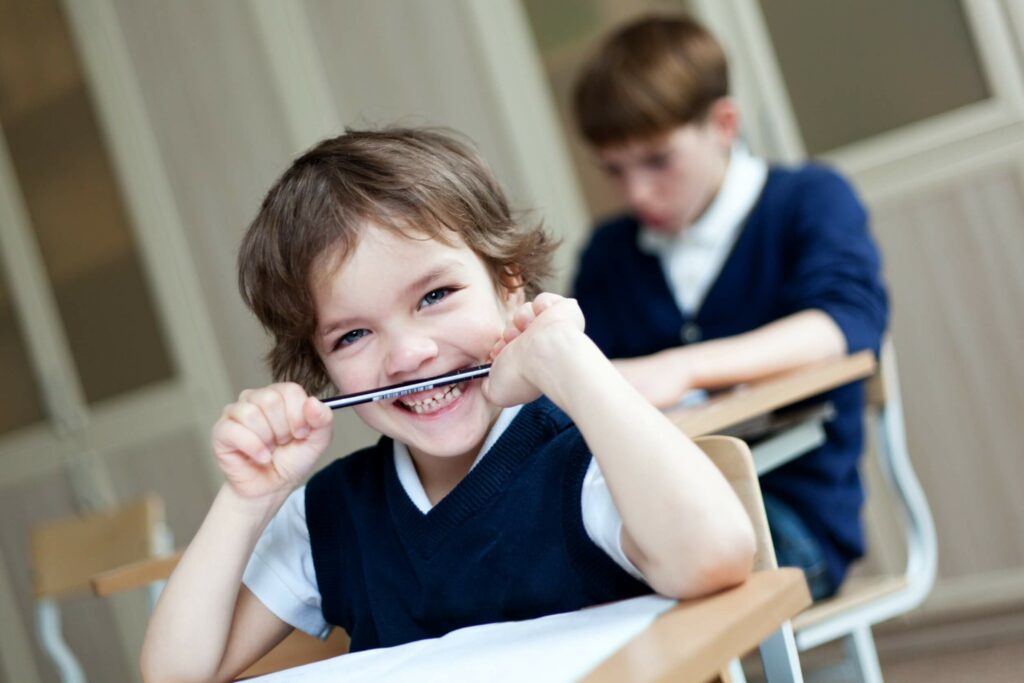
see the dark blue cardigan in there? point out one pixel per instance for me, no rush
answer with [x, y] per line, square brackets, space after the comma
[804, 245]
[506, 543]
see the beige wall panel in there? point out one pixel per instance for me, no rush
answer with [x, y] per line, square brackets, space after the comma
[171, 467]
[89, 625]
[953, 255]
[223, 139]
[885, 535]
[411, 62]
[414, 63]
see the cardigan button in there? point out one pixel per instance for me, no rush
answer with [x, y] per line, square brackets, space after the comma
[691, 333]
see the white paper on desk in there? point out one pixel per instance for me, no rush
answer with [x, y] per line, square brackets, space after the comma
[556, 648]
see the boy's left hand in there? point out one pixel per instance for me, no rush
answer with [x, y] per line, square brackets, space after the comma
[531, 347]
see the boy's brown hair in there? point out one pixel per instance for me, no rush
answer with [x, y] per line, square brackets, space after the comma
[417, 182]
[649, 77]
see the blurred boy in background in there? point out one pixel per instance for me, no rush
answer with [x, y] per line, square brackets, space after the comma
[725, 269]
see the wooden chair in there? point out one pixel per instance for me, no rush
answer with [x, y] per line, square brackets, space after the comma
[863, 603]
[733, 458]
[296, 649]
[66, 553]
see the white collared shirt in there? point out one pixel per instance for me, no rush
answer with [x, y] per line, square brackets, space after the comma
[406, 470]
[280, 572]
[692, 258]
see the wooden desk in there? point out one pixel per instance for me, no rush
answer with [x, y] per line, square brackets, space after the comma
[696, 639]
[735, 411]
[752, 400]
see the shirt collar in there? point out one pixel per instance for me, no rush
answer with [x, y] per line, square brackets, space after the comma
[744, 179]
[407, 470]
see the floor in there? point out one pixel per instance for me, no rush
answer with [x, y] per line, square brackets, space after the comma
[956, 653]
[999, 662]
[988, 647]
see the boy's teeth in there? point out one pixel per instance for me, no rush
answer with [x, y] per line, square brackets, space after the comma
[434, 402]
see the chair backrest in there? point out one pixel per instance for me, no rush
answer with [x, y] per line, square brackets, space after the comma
[296, 649]
[733, 458]
[885, 406]
[66, 553]
[870, 601]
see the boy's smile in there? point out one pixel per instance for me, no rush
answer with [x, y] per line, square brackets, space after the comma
[432, 401]
[403, 308]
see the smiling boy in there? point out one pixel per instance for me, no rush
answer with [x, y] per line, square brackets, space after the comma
[552, 485]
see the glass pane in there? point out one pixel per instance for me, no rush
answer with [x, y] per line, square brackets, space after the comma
[74, 204]
[857, 68]
[20, 403]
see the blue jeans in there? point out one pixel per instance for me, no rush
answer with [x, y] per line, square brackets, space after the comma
[796, 546]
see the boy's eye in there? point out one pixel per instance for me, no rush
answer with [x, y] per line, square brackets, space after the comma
[434, 296]
[657, 161]
[350, 337]
[612, 171]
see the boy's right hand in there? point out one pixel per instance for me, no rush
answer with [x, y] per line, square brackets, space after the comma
[268, 441]
[662, 378]
[539, 337]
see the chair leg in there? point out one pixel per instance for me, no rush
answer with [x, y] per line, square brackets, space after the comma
[48, 626]
[780, 657]
[860, 645]
[735, 671]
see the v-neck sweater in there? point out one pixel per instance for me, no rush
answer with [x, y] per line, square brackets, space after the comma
[804, 245]
[507, 543]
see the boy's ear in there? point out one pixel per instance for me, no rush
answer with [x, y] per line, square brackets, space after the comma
[516, 297]
[515, 293]
[724, 117]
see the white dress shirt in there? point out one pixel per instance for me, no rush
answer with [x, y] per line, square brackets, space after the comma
[692, 258]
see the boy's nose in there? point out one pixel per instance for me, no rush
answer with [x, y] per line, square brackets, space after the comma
[637, 190]
[408, 354]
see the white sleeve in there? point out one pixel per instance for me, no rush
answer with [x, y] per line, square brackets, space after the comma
[601, 519]
[280, 572]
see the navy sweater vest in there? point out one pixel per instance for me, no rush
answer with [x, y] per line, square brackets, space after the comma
[507, 543]
[804, 245]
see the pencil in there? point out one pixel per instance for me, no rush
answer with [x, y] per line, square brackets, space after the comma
[405, 388]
